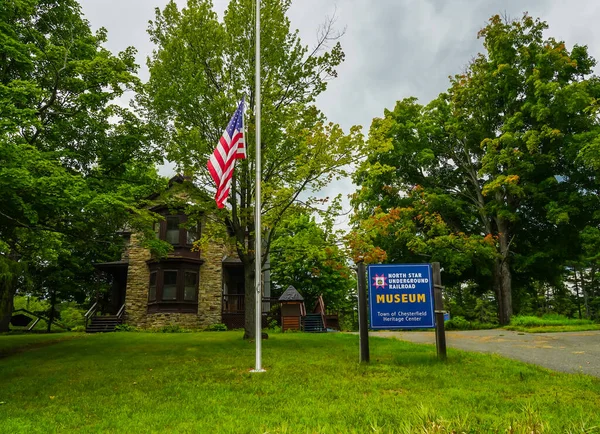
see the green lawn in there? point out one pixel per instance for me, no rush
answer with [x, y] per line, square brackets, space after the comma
[10, 343]
[550, 323]
[199, 383]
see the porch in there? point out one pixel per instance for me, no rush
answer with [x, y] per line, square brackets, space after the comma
[233, 303]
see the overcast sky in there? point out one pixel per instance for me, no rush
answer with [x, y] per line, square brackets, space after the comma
[394, 48]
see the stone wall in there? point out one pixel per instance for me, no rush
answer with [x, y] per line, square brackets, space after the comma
[209, 294]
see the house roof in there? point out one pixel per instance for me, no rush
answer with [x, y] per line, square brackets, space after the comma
[291, 294]
[177, 179]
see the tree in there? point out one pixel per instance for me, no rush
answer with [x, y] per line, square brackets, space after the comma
[306, 256]
[200, 70]
[496, 160]
[72, 164]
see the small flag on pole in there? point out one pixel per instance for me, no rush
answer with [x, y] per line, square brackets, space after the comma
[231, 147]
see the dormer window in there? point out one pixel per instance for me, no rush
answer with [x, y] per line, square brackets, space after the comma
[172, 230]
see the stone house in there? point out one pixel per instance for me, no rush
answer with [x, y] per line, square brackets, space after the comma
[192, 289]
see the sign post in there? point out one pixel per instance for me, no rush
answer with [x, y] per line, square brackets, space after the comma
[363, 328]
[440, 332]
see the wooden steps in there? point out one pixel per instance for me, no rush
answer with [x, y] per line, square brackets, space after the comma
[103, 324]
[313, 323]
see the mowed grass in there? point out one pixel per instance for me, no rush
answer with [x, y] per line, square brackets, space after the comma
[10, 343]
[200, 383]
[550, 323]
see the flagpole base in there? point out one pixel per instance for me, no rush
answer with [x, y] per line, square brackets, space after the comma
[254, 371]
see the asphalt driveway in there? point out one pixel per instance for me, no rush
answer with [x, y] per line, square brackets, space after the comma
[573, 352]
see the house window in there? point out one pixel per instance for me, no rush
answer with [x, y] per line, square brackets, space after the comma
[152, 287]
[173, 229]
[173, 285]
[191, 235]
[190, 288]
[169, 289]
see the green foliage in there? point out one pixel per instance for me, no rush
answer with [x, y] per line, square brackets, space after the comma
[488, 178]
[32, 304]
[550, 323]
[305, 255]
[73, 165]
[216, 328]
[547, 320]
[273, 326]
[172, 328]
[348, 321]
[214, 65]
[460, 323]
[126, 328]
[72, 317]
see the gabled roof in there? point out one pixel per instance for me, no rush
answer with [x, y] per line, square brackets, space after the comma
[177, 179]
[291, 294]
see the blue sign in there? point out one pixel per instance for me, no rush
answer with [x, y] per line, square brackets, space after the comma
[401, 296]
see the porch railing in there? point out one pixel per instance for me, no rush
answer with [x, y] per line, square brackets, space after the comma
[233, 303]
[90, 313]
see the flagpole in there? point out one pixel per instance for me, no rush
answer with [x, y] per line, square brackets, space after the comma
[257, 215]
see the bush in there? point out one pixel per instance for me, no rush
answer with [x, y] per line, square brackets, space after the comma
[78, 329]
[348, 321]
[71, 317]
[460, 323]
[216, 328]
[125, 328]
[550, 319]
[172, 328]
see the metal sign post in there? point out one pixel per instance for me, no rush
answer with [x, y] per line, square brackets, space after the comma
[363, 327]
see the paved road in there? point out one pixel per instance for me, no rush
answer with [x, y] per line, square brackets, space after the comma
[567, 352]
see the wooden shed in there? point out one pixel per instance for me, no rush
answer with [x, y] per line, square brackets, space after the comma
[292, 309]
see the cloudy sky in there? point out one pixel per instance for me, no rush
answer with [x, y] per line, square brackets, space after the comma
[394, 48]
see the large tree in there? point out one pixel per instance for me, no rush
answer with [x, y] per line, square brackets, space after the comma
[71, 162]
[494, 162]
[307, 255]
[202, 67]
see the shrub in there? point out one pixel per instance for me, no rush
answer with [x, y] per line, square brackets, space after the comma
[78, 329]
[125, 328]
[458, 323]
[172, 328]
[551, 319]
[71, 317]
[216, 328]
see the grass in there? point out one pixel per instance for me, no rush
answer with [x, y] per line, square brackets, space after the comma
[550, 323]
[200, 382]
[12, 343]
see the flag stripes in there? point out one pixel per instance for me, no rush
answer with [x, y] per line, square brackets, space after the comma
[231, 147]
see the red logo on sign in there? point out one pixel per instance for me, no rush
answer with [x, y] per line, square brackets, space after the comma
[379, 281]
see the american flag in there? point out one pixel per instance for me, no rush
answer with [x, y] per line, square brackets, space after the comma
[231, 147]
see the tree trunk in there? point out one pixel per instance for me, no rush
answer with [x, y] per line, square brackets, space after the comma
[8, 288]
[52, 310]
[577, 293]
[585, 294]
[592, 288]
[502, 275]
[249, 301]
